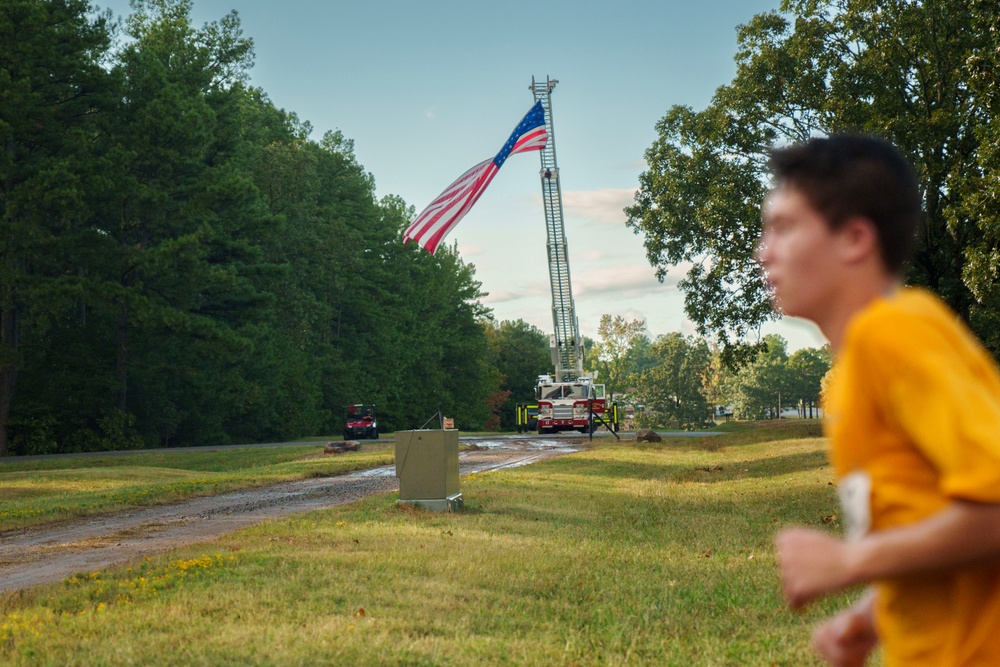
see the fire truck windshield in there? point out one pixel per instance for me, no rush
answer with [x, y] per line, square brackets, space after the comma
[564, 391]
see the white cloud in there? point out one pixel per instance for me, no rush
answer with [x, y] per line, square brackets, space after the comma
[625, 280]
[592, 255]
[608, 284]
[797, 332]
[633, 314]
[630, 279]
[638, 164]
[523, 292]
[629, 314]
[600, 206]
[430, 113]
[470, 250]
[689, 328]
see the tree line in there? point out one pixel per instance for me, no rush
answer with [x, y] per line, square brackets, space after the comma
[686, 381]
[182, 264]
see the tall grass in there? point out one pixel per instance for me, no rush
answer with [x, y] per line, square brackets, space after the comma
[623, 554]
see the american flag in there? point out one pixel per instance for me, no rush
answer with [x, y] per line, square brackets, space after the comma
[430, 227]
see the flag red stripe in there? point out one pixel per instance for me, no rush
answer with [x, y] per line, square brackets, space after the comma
[434, 230]
[444, 201]
[438, 236]
[536, 138]
[455, 194]
[435, 222]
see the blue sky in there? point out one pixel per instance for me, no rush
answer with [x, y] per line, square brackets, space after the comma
[428, 89]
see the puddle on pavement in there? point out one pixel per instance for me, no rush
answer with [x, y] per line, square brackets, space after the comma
[543, 447]
[558, 446]
[384, 471]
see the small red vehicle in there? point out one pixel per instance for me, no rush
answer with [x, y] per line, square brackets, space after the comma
[360, 422]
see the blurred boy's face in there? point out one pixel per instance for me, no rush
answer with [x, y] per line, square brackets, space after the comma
[798, 251]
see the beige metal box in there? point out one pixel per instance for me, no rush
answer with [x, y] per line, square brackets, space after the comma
[427, 466]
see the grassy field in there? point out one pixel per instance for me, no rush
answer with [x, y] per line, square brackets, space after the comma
[46, 490]
[622, 554]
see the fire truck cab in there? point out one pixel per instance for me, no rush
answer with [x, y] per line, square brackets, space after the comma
[569, 405]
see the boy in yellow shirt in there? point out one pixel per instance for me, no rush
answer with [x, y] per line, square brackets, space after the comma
[912, 415]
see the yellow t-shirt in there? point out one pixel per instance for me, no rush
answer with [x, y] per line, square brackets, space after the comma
[913, 418]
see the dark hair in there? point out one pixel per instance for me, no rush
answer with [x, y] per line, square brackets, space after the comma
[846, 175]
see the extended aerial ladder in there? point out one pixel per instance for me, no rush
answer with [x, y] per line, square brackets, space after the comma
[566, 345]
[571, 400]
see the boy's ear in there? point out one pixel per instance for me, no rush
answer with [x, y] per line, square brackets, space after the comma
[859, 240]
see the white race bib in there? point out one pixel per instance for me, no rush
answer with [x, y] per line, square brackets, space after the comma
[855, 491]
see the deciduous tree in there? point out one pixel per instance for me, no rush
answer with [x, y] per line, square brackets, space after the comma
[921, 74]
[806, 369]
[522, 354]
[674, 389]
[613, 354]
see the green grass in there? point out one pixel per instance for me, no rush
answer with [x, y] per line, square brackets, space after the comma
[48, 490]
[622, 554]
[784, 429]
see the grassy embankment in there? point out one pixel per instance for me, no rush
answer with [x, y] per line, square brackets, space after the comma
[623, 554]
[42, 491]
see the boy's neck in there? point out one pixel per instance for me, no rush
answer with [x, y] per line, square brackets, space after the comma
[855, 296]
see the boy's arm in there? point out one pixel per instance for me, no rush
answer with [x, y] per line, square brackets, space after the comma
[848, 638]
[813, 563]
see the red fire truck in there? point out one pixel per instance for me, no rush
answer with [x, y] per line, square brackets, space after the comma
[569, 400]
[576, 404]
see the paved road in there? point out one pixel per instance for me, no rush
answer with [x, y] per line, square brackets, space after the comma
[299, 443]
[51, 553]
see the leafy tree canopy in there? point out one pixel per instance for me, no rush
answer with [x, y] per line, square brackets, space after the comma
[521, 354]
[674, 390]
[614, 356]
[921, 74]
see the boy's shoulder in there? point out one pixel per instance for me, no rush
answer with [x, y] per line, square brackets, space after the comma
[909, 312]
[911, 322]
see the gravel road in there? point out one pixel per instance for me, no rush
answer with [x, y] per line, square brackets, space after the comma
[51, 553]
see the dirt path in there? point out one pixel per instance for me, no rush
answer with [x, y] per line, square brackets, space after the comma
[47, 554]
